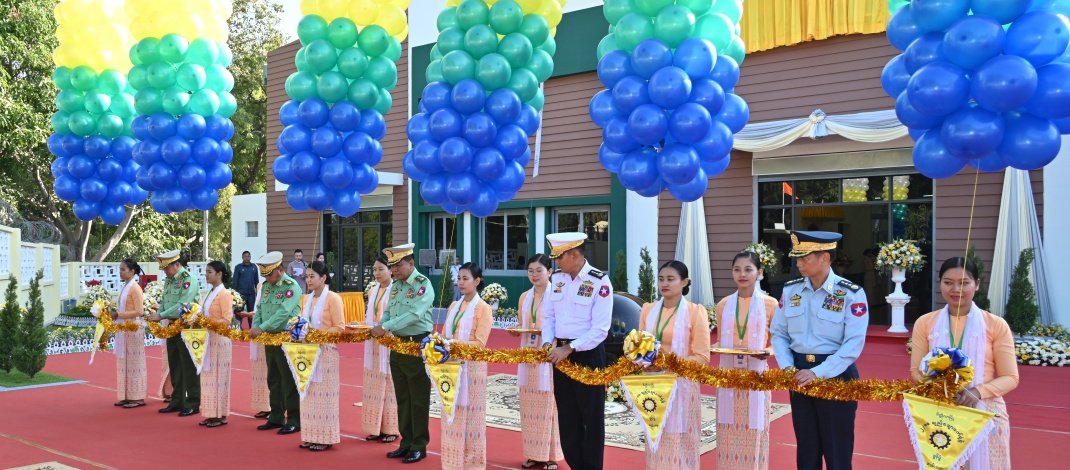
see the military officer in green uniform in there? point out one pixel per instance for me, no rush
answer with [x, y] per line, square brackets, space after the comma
[180, 288]
[280, 300]
[408, 316]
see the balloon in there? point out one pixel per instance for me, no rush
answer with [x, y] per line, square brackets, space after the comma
[1004, 11]
[86, 210]
[301, 86]
[425, 157]
[372, 123]
[437, 96]
[81, 167]
[363, 93]
[433, 190]
[419, 128]
[488, 164]
[609, 159]
[617, 137]
[341, 32]
[203, 52]
[516, 48]
[410, 168]
[505, 17]
[716, 145]
[468, 96]
[648, 124]
[938, 15]
[633, 29]
[219, 175]
[692, 190]
[344, 116]
[695, 56]
[295, 197]
[109, 170]
[708, 94]
[493, 71]
[471, 13]
[345, 203]
[462, 188]
[480, 130]
[204, 199]
[455, 154]
[67, 188]
[383, 73]
[972, 41]
[336, 172]
[504, 106]
[972, 133]
[374, 40]
[1029, 142]
[690, 123]
[317, 196]
[938, 88]
[669, 87]
[192, 176]
[716, 167]
[449, 40]
[613, 67]
[161, 175]
[288, 112]
[638, 169]
[650, 56]
[715, 28]
[326, 142]
[1038, 36]
[305, 167]
[735, 112]
[295, 138]
[629, 93]
[84, 78]
[894, 77]
[313, 113]
[606, 45]
[282, 169]
[457, 66]
[446, 123]
[1052, 98]
[1003, 83]
[725, 72]
[535, 28]
[602, 108]
[486, 203]
[990, 162]
[481, 40]
[511, 179]
[932, 158]
[525, 84]
[511, 141]
[673, 24]
[677, 164]
[923, 51]
[911, 117]
[175, 150]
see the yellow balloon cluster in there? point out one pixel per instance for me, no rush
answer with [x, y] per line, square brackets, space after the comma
[550, 10]
[190, 19]
[93, 33]
[389, 14]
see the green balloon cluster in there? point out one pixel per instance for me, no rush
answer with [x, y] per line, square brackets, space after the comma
[338, 62]
[498, 46]
[634, 21]
[177, 76]
[92, 104]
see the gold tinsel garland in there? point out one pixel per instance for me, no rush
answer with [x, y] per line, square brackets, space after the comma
[942, 388]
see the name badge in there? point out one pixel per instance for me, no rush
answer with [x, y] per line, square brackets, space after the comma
[741, 361]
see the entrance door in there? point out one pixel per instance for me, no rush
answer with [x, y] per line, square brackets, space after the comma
[355, 242]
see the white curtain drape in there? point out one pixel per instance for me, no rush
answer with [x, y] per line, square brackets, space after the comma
[874, 126]
[692, 247]
[1018, 229]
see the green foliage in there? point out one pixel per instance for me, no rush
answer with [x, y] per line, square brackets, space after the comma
[981, 296]
[646, 277]
[1022, 311]
[33, 339]
[9, 323]
[619, 278]
[445, 294]
[79, 310]
[19, 379]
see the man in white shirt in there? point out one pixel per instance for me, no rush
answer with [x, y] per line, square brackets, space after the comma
[576, 324]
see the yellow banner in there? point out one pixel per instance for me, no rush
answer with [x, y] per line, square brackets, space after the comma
[96, 342]
[302, 357]
[650, 396]
[446, 379]
[197, 344]
[944, 436]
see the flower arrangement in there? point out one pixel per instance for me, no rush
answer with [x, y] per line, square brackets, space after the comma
[95, 293]
[153, 295]
[239, 302]
[767, 255]
[711, 312]
[368, 289]
[615, 393]
[494, 293]
[71, 334]
[1056, 331]
[842, 259]
[1042, 352]
[507, 314]
[900, 254]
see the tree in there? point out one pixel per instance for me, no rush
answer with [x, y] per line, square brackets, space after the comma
[1022, 311]
[646, 276]
[445, 296]
[9, 323]
[619, 279]
[981, 296]
[33, 339]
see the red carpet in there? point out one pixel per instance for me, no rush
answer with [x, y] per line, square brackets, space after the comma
[77, 425]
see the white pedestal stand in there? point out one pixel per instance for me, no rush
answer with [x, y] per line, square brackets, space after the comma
[898, 300]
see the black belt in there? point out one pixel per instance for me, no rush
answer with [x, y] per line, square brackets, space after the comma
[419, 337]
[807, 361]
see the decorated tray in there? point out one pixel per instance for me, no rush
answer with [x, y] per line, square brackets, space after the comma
[358, 326]
[524, 330]
[737, 352]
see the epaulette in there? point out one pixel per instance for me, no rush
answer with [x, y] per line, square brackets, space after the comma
[849, 285]
[794, 281]
[289, 282]
[421, 278]
[596, 273]
[183, 275]
[556, 271]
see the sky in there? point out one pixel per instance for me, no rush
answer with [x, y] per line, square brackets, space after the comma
[291, 15]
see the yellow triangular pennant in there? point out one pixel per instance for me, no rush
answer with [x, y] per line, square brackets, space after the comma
[197, 343]
[650, 396]
[943, 435]
[446, 378]
[96, 341]
[302, 357]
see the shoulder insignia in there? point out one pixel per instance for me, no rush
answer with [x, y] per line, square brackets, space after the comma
[421, 279]
[556, 271]
[596, 273]
[288, 282]
[183, 275]
[794, 281]
[849, 285]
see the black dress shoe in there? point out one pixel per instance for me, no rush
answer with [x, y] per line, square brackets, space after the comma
[289, 429]
[397, 454]
[170, 409]
[188, 412]
[414, 456]
[268, 426]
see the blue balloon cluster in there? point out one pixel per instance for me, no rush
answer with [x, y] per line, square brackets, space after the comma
[981, 82]
[184, 160]
[97, 174]
[668, 116]
[327, 154]
[469, 147]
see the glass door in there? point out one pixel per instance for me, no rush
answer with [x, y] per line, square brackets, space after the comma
[351, 273]
[353, 243]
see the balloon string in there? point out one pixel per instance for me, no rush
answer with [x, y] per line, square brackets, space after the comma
[969, 228]
[449, 263]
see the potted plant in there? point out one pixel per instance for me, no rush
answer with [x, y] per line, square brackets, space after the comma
[899, 257]
[494, 295]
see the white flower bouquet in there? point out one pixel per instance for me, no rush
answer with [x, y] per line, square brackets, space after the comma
[767, 255]
[494, 293]
[153, 295]
[1042, 352]
[239, 302]
[900, 254]
[95, 293]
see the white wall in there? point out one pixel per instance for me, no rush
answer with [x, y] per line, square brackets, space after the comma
[248, 208]
[642, 226]
[1056, 226]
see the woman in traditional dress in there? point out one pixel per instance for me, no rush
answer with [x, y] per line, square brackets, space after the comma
[319, 410]
[260, 395]
[743, 323]
[379, 413]
[218, 307]
[464, 437]
[130, 370]
[688, 336]
[538, 410]
[986, 339]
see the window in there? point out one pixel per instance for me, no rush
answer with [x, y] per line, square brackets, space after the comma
[595, 223]
[252, 229]
[444, 237]
[505, 241]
